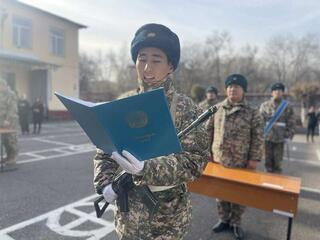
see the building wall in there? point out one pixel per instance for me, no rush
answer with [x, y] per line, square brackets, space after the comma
[20, 72]
[64, 78]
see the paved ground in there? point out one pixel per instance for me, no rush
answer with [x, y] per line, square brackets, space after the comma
[50, 195]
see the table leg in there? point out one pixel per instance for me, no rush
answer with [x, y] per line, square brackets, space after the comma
[1, 152]
[289, 228]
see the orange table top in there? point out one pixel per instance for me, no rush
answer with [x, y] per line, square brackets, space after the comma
[6, 130]
[255, 178]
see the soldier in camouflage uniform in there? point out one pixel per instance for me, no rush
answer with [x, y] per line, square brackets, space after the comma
[281, 132]
[211, 98]
[155, 50]
[9, 119]
[236, 142]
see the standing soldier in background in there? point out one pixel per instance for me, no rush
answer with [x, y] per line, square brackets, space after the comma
[211, 98]
[37, 115]
[23, 111]
[236, 132]
[9, 120]
[155, 50]
[318, 119]
[281, 132]
[312, 123]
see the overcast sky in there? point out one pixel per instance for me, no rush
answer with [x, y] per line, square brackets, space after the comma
[112, 23]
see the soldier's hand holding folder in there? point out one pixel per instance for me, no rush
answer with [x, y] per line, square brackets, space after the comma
[128, 162]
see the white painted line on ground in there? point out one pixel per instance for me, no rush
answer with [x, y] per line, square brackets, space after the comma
[60, 152]
[75, 223]
[306, 162]
[55, 156]
[53, 222]
[53, 142]
[71, 147]
[71, 134]
[6, 237]
[82, 147]
[312, 190]
[39, 151]
[64, 151]
[90, 216]
[60, 127]
[67, 135]
[34, 156]
[318, 154]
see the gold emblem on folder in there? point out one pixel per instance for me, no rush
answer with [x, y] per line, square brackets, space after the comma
[137, 119]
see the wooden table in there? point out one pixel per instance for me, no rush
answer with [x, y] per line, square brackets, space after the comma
[3, 131]
[270, 192]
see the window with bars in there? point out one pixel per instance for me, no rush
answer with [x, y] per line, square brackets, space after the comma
[57, 42]
[22, 32]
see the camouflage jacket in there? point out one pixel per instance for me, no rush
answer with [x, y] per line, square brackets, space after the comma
[236, 134]
[205, 104]
[8, 108]
[278, 133]
[168, 170]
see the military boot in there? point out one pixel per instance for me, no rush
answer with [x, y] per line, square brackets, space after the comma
[237, 233]
[10, 165]
[220, 227]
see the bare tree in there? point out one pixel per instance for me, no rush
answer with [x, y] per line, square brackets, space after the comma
[286, 58]
[306, 57]
[126, 75]
[279, 56]
[191, 69]
[249, 64]
[292, 59]
[89, 70]
[219, 55]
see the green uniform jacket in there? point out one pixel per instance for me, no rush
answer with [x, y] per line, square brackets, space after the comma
[286, 128]
[172, 218]
[166, 170]
[236, 134]
[8, 108]
[205, 104]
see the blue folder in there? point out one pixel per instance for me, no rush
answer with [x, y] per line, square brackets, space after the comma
[141, 124]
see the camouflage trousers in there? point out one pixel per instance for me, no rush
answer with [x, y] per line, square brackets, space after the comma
[10, 143]
[230, 212]
[273, 156]
[169, 222]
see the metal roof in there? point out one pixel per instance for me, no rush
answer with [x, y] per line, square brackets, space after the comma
[23, 57]
[48, 13]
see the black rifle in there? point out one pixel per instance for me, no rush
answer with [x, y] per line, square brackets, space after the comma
[203, 117]
[123, 183]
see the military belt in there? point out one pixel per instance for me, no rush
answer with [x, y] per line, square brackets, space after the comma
[160, 188]
[280, 124]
